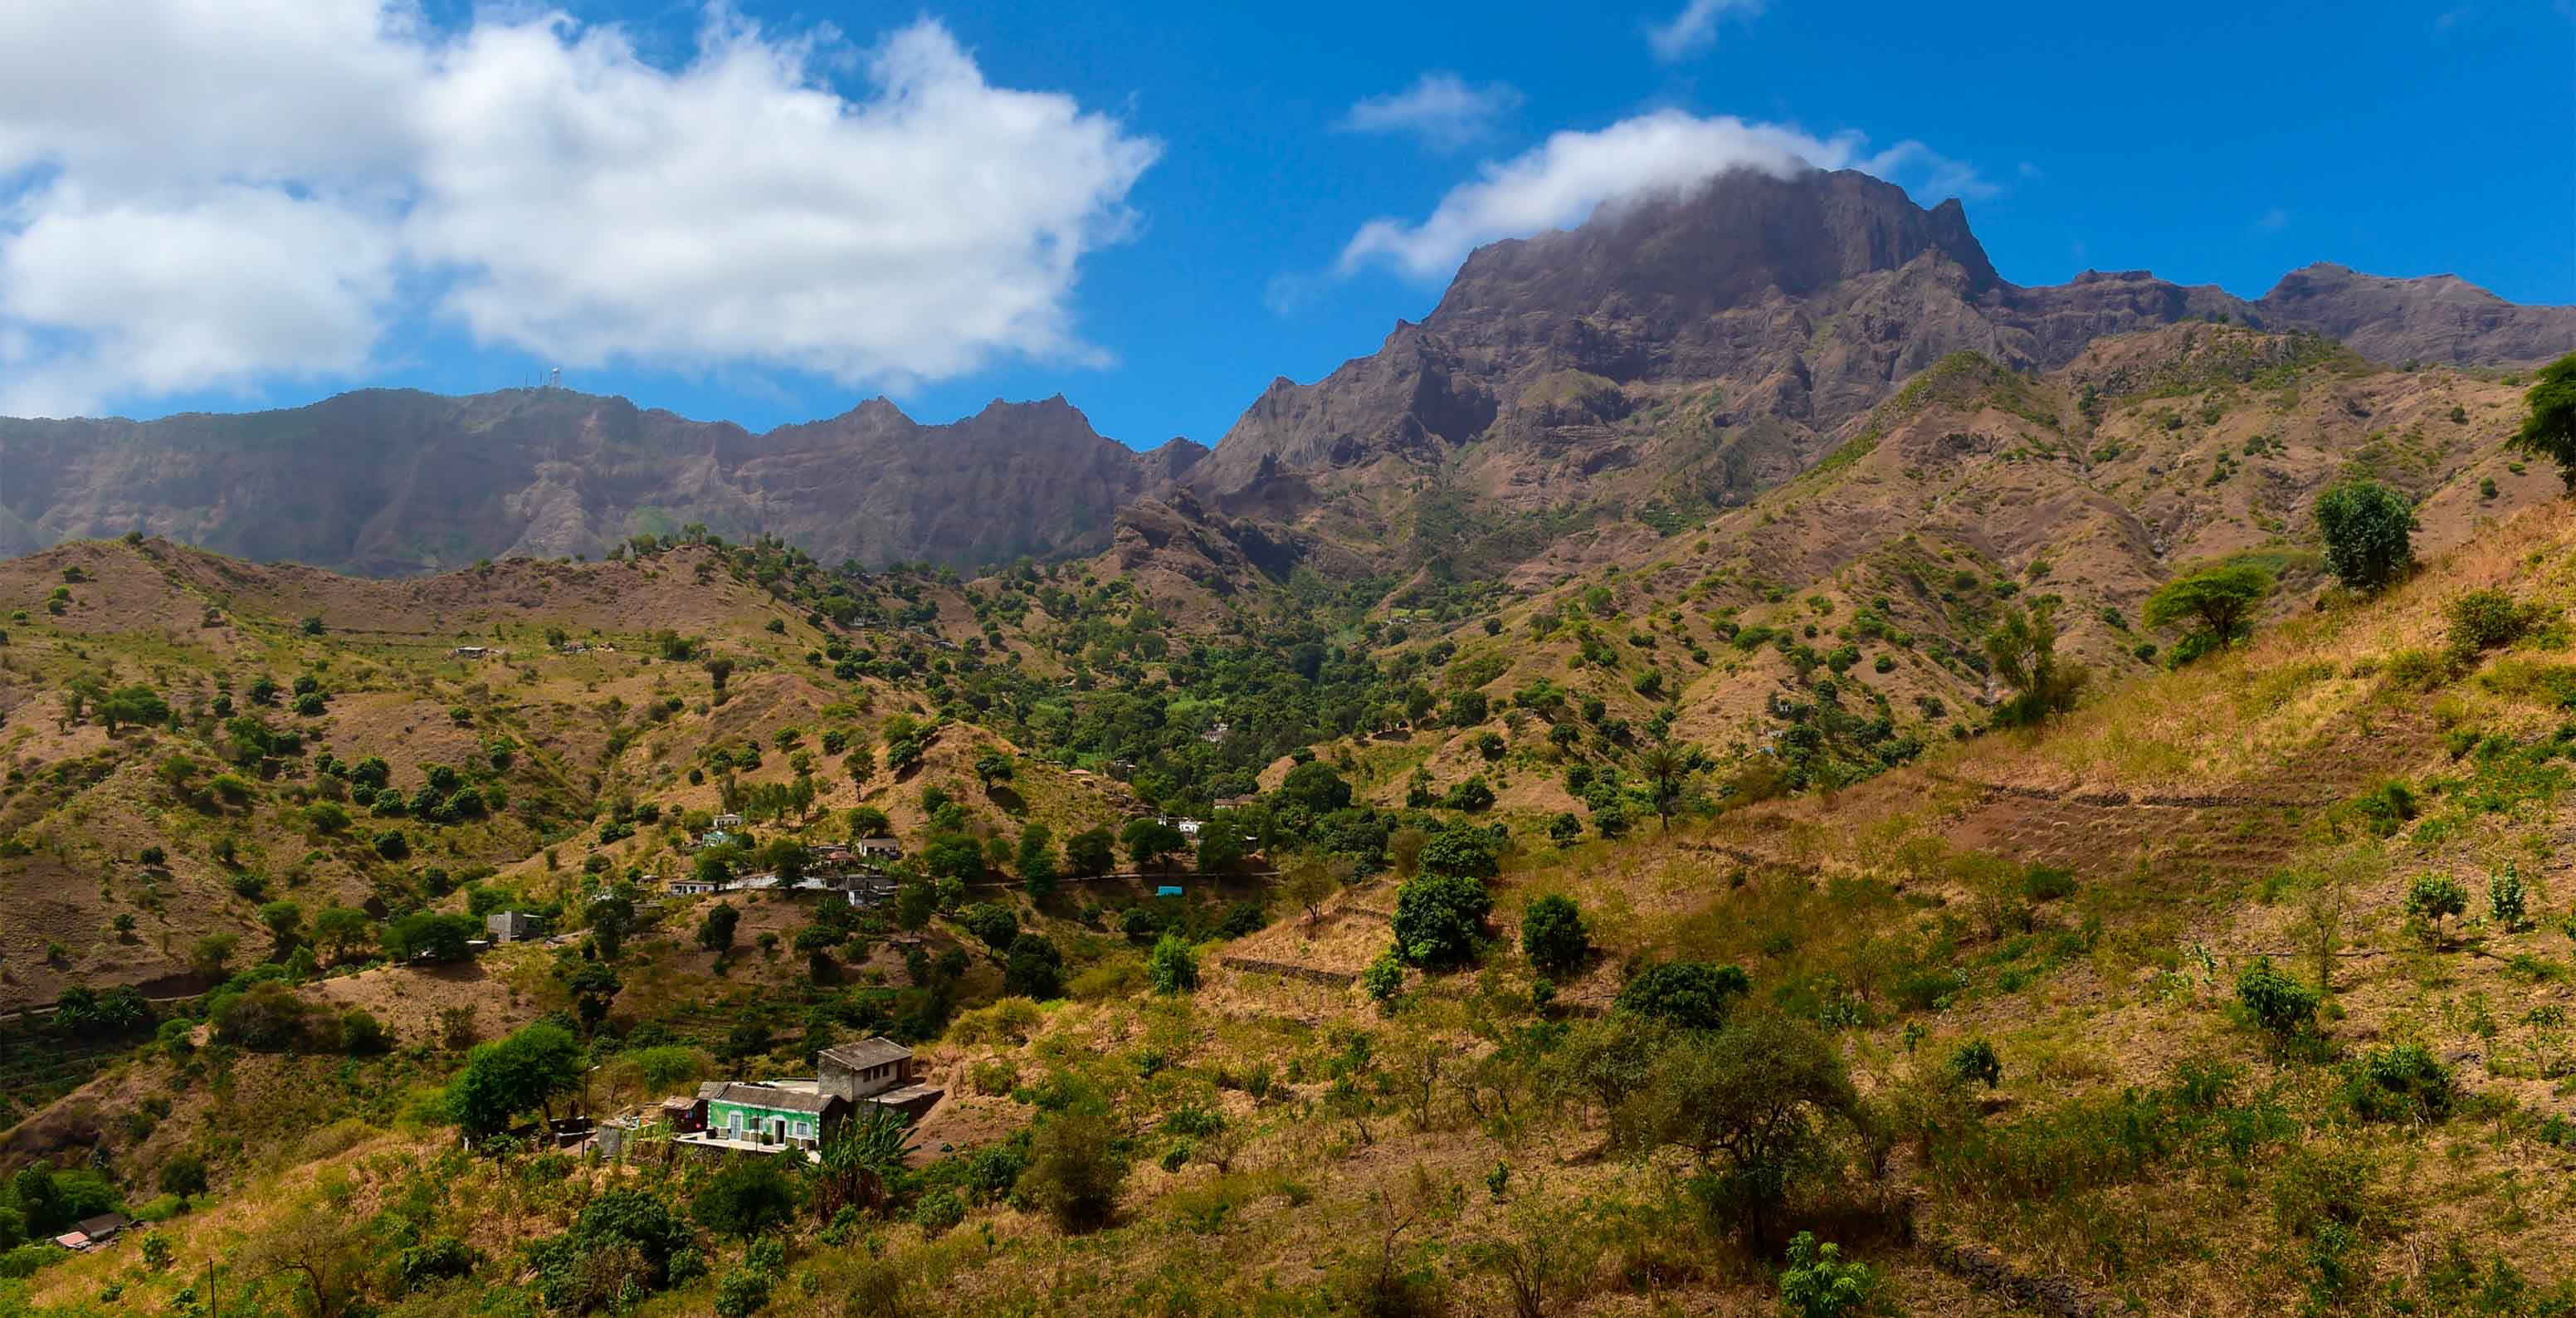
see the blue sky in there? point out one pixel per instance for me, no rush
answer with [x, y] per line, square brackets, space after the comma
[1164, 229]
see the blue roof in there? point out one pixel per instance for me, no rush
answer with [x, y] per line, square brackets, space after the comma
[1167, 890]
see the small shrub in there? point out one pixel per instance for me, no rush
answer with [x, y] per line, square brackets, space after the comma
[1976, 1060]
[2275, 1001]
[2402, 1082]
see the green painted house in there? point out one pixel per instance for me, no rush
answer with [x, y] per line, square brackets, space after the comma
[780, 1114]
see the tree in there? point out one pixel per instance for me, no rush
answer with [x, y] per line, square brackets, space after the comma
[1151, 841]
[1309, 883]
[866, 821]
[342, 933]
[210, 954]
[1315, 786]
[429, 936]
[2368, 530]
[2023, 648]
[914, 903]
[283, 920]
[1691, 994]
[992, 924]
[715, 928]
[992, 767]
[953, 856]
[1033, 968]
[744, 1197]
[1173, 965]
[136, 704]
[1074, 1172]
[1036, 861]
[1553, 936]
[1746, 1101]
[2221, 600]
[861, 1160]
[1221, 849]
[1460, 851]
[504, 1078]
[2436, 897]
[2549, 430]
[1088, 853]
[1665, 769]
[1438, 918]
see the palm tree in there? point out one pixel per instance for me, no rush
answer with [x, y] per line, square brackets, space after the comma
[859, 1162]
[1664, 768]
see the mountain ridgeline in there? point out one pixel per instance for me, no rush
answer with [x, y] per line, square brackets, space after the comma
[1683, 352]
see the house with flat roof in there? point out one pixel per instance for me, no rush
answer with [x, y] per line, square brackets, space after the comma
[514, 926]
[876, 1071]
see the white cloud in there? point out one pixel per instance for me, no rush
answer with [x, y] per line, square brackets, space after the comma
[209, 194]
[1440, 109]
[1694, 29]
[1560, 182]
[2273, 220]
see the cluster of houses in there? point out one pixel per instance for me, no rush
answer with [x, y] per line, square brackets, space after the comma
[856, 868]
[777, 1116]
[92, 1232]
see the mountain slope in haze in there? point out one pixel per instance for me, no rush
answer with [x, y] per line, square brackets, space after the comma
[388, 482]
[1691, 351]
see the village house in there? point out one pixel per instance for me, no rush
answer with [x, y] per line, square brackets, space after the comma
[91, 1232]
[877, 848]
[765, 1116]
[876, 1071]
[469, 652]
[514, 926]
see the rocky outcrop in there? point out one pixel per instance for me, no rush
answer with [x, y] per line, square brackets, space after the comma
[2438, 318]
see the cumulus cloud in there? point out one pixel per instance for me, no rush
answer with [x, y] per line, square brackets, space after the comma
[198, 194]
[1694, 29]
[1440, 109]
[1560, 182]
[2272, 221]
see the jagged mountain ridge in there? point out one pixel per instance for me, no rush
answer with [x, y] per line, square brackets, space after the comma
[388, 482]
[1697, 349]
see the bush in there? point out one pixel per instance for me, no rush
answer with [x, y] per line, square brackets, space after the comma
[1975, 1061]
[1553, 936]
[744, 1197]
[2368, 531]
[1033, 969]
[2402, 1082]
[1173, 965]
[1383, 980]
[2506, 901]
[2486, 620]
[2275, 1001]
[1074, 1172]
[1818, 1284]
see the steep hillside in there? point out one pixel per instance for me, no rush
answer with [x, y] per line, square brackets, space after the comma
[392, 482]
[2241, 988]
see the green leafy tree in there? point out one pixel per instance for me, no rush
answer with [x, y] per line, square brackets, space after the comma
[992, 924]
[509, 1076]
[1693, 995]
[914, 903]
[1088, 852]
[137, 705]
[2220, 602]
[1460, 851]
[2369, 533]
[2549, 430]
[343, 933]
[1317, 787]
[2435, 898]
[1220, 848]
[1149, 842]
[1033, 968]
[284, 920]
[1749, 1102]
[1553, 936]
[1036, 861]
[429, 936]
[716, 927]
[1438, 918]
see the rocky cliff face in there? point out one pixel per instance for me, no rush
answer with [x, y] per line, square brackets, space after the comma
[386, 482]
[1701, 348]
